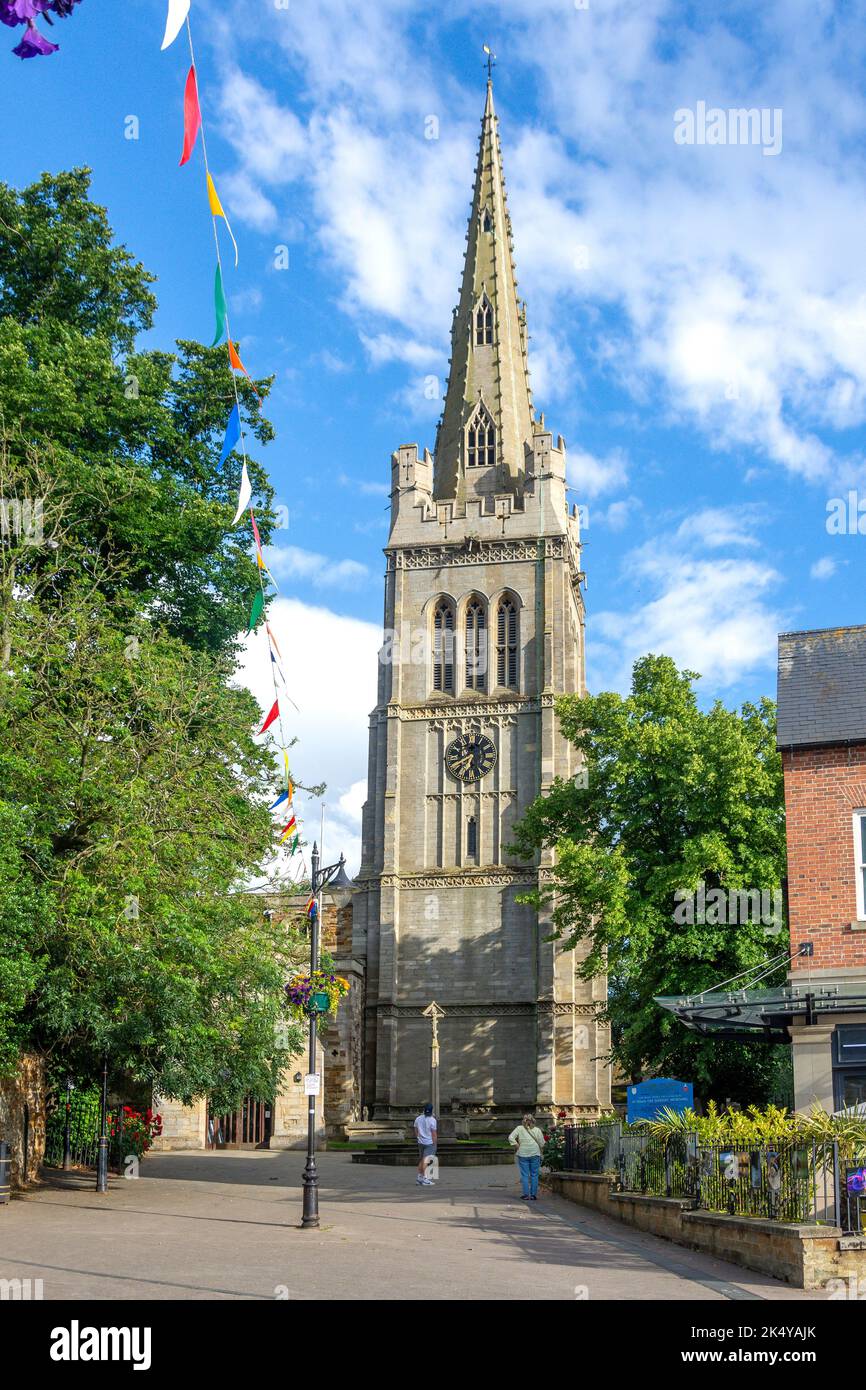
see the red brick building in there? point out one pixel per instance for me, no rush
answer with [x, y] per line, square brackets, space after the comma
[822, 740]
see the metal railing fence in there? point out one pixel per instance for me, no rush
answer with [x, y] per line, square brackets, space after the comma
[791, 1181]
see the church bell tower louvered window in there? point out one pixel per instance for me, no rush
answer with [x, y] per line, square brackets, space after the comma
[506, 644]
[476, 646]
[443, 647]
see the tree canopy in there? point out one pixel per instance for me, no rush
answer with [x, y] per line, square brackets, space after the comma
[675, 797]
[133, 794]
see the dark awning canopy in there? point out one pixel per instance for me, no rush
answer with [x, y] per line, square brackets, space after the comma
[763, 1014]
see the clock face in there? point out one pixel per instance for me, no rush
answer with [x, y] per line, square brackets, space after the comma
[470, 757]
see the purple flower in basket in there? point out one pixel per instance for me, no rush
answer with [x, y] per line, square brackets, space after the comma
[14, 12]
[856, 1182]
[34, 44]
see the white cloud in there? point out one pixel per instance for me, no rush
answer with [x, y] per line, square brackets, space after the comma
[385, 347]
[591, 476]
[331, 665]
[824, 568]
[742, 311]
[711, 614]
[291, 562]
[718, 528]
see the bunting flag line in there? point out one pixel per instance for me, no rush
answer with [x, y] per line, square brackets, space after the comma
[260, 559]
[239, 367]
[274, 714]
[220, 307]
[233, 434]
[256, 610]
[246, 492]
[274, 644]
[191, 116]
[177, 13]
[217, 210]
[194, 126]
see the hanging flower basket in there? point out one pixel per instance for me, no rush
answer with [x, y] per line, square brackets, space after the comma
[34, 44]
[302, 987]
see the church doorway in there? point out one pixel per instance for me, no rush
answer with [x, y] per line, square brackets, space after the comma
[248, 1127]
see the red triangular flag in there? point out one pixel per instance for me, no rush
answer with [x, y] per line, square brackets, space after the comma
[275, 710]
[191, 115]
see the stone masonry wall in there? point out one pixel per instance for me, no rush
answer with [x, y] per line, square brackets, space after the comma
[806, 1257]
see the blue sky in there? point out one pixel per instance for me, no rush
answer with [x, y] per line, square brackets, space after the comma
[697, 311]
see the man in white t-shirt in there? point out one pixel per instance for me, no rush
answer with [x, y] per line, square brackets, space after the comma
[426, 1130]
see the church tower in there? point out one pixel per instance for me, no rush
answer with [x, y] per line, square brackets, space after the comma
[484, 628]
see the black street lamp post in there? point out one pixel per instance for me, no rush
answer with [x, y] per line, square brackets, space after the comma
[102, 1149]
[67, 1126]
[336, 876]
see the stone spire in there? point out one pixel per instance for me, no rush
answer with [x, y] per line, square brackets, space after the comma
[488, 350]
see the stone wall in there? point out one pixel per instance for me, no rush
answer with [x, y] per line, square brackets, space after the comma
[22, 1117]
[807, 1257]
[183, 1126]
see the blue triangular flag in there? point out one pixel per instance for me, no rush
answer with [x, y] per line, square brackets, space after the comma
[233, 434]
[284, 797]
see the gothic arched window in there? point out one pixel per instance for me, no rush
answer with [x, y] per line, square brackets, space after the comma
[443, 647]
[484, 323]
[472, 838]
[488, 221]
[506, 643]
[481, 439]
[476, 645]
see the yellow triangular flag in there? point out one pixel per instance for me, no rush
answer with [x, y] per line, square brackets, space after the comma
[216, 208]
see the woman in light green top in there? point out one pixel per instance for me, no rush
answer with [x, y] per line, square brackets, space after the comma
[529, 1142]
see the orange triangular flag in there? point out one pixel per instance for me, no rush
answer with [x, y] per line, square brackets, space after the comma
[239, 367]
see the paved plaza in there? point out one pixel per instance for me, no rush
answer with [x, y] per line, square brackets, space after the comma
[226, 1226]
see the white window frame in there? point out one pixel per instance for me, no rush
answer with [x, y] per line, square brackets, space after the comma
[859, 826]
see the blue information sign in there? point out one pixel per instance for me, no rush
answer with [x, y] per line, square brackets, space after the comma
[647, 1100]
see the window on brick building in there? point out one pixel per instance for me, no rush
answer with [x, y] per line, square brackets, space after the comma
[860, 861]
[849, 1066]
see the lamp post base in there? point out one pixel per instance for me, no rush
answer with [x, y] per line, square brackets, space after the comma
[310, 1218]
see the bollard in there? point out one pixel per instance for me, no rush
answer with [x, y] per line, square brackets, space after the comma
[5, 1172]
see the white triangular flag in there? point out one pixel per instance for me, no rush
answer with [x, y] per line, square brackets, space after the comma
[177, 13]
[244, 495]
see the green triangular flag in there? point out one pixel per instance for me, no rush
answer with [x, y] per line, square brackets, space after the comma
[219, 299]
[256, 610]
[294, 844]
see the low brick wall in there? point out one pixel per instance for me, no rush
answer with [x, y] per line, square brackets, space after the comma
[806, 1257]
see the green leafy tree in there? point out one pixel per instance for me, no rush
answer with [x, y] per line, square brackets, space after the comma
[132, 792]
[135, 436]
[675, 797]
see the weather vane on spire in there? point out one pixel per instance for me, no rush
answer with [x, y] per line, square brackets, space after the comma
[491, 62]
